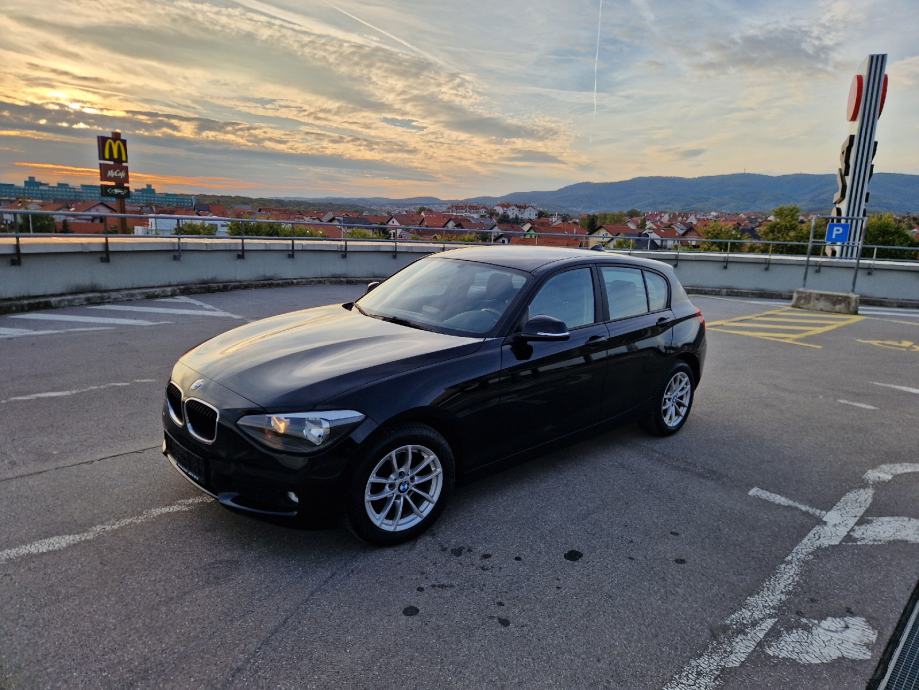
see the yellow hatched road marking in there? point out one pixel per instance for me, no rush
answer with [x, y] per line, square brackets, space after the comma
[759, 324]
[788, 322]
[768, 336]
[794, 318]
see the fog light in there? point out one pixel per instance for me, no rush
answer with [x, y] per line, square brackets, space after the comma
[293, 497]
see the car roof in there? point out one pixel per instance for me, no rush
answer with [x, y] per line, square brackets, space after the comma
[532, 259]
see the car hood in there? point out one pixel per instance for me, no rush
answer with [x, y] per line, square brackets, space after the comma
[306, 357]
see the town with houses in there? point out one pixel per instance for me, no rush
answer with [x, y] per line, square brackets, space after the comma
[503, 223]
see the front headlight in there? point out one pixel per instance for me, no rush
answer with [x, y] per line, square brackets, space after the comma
[300, 432]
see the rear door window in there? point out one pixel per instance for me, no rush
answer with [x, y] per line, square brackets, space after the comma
[625, 291]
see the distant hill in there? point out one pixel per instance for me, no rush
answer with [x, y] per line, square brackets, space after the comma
[738, 192]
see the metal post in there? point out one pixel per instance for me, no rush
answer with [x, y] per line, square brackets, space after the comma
[123, 222]
[178, 255]
[105, 258]
[858, 258]
[242, 248]
[31, 231]
[677, 254]
[17, 260]
[290, 254]
[807, 258]
[769, 258]
[727, 255]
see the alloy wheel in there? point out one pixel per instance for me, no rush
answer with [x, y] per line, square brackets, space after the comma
[403, 488]
[677, 396]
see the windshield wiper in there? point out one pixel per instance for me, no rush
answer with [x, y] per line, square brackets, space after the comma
[400, 321]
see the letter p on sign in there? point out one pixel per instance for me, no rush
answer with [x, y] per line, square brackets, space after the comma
[837, 233]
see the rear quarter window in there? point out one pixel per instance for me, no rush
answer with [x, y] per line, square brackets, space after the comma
[657, 291]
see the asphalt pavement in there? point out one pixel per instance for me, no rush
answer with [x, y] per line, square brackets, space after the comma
[773, 542]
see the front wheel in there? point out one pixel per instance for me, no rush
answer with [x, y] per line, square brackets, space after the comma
[671, 406]
[401, 486]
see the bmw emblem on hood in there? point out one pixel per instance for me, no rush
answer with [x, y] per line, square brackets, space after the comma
[197, 384]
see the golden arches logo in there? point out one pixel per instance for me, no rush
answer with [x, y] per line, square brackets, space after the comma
[115, 150]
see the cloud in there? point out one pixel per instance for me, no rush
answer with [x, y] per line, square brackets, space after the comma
[534, 157]
[774, 48]
[448, 99]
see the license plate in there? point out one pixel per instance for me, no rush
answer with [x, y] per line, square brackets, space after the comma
[192, 465]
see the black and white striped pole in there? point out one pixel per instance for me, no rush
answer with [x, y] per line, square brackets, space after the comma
[866, 102]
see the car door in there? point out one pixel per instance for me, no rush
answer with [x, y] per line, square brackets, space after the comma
[549, 389]
[639, 335]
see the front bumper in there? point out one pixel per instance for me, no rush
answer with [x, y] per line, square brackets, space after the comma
[252, 486]
[241, 473]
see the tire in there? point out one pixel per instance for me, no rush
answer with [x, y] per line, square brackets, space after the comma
[402, 509]
[664, 419]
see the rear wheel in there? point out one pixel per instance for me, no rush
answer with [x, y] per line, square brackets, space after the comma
[401, 486]
[671, 406]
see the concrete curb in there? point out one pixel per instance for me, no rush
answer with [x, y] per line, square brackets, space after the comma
[895, 303]
[14, 306]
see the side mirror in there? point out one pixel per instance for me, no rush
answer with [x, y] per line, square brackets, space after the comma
[371, 286]
[544, 328]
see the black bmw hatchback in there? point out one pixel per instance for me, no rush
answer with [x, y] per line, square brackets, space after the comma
[458, 360]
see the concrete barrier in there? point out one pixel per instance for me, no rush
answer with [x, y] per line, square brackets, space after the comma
[822, 300]
[50, 268]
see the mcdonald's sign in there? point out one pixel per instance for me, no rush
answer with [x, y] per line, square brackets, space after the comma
[113, 148]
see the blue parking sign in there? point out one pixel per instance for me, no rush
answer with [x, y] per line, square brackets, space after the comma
[837, 233]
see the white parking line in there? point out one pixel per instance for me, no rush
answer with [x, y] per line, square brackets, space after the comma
[166, 310]
[905, 389]
[864, 406]
[22, 332]
[65, 540]
[88, 319]
[64, 394]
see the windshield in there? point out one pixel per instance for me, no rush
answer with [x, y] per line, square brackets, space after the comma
[447, 295]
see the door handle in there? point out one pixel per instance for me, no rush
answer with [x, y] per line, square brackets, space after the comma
[663, 320]
[594, 338]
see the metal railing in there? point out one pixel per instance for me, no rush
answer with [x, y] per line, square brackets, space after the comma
[289, 235]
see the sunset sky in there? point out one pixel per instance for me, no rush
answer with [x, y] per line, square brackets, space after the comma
[453, 99]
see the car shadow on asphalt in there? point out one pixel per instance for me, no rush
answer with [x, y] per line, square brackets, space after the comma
[329, 515]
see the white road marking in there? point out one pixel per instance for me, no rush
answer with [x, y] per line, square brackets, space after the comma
[824, 641]
[758, 613]
[65, 540]
[203, 305]
[22, 332]
[746, 301]
[64, 394]
[884, 473]
[864, 406]
[87, 319]
[905, 389]
[884, 530]
[782, 501]
[165, 310]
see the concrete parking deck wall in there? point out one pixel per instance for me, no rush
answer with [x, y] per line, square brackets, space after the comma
[65, 266]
